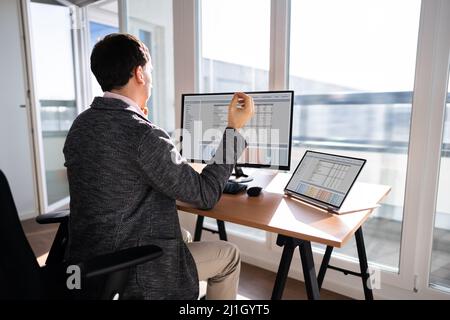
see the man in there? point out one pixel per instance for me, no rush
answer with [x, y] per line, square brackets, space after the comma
[125, 176]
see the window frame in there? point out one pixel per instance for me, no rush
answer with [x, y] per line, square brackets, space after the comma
[430, 95]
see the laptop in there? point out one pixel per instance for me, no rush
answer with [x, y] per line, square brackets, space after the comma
[324, 180]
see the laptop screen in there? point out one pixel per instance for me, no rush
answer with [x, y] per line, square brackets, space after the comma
[326, 178]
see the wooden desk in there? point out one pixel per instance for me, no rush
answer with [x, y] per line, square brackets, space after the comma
[297, 224]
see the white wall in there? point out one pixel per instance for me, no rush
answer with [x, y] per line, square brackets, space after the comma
[15, 147]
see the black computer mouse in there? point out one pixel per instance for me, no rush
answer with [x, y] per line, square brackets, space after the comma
[254, 191]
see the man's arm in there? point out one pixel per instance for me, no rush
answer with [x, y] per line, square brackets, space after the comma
[170, 174]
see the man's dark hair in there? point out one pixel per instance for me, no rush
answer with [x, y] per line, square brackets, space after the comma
[114, 59]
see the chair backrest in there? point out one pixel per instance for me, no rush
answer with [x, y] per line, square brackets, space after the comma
[20, 276]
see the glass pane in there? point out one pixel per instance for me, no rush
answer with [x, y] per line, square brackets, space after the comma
[103, 19]
[352, 68]
[235, 45]
[152, 22]
[234, 56]
[440, 258]
[55, 85]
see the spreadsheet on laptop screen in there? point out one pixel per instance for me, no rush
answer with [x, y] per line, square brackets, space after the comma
[325, 177]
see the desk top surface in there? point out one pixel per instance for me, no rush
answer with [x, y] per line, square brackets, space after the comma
[275, 212]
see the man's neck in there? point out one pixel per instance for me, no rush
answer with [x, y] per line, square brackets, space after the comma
[128, 94]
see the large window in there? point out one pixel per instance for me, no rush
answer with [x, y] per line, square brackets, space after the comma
[103, 19]
[352, 68]
[151, 21]
[54, 67]
[234, 56]
[234, 43]
[440, 262]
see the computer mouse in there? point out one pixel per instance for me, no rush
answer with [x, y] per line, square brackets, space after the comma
[254, 191]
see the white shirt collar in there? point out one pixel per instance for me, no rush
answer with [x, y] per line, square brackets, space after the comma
[132, 106]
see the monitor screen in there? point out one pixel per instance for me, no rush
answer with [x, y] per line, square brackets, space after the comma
[268, 133]
[324, 177]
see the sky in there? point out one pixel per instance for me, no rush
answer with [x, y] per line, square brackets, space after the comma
[363, 44]
[368, 45]
[52, 52]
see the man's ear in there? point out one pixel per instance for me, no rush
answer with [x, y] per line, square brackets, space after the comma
[139, 74]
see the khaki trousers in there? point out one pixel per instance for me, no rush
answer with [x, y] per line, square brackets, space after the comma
[218, 263]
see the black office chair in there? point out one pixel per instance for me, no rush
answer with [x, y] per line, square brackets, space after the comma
[22, 278]
[59, 245]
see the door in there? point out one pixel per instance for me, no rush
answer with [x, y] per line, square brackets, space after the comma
[16, 156]
[53, 59]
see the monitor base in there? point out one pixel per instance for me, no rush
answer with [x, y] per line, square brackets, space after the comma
[241, 177]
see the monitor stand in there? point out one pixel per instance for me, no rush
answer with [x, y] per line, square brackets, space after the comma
[240, 176]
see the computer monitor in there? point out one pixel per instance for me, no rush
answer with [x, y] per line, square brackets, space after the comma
[268, 133]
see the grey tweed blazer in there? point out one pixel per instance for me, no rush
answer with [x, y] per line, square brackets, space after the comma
[124, 176]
